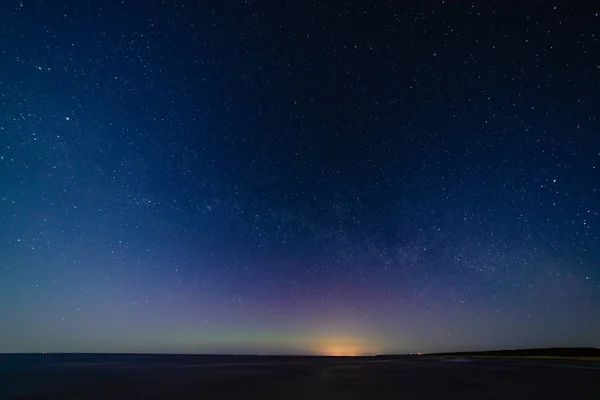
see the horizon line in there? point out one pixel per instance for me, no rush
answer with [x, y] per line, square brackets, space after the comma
[416, 354]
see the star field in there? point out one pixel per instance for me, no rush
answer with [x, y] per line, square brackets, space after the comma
[287, 177]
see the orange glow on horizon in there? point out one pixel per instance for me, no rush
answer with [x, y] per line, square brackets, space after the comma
[340, 352]
[343, 347]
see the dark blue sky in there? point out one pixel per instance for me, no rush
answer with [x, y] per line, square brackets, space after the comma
[286, 177]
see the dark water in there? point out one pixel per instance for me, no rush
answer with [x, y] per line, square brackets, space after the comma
[105, 376]
[50, 376]
[32, 362]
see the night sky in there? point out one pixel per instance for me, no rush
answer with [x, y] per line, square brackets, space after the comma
[352, 177]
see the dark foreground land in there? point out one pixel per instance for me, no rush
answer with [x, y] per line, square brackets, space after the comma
[571, 352]
[248, 377]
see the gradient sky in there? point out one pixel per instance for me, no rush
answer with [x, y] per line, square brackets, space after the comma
[285, 177]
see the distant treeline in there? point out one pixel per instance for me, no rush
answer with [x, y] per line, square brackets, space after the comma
[549, 352]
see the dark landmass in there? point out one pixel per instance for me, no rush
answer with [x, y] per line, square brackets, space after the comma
[134, 376]
[545, 352]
